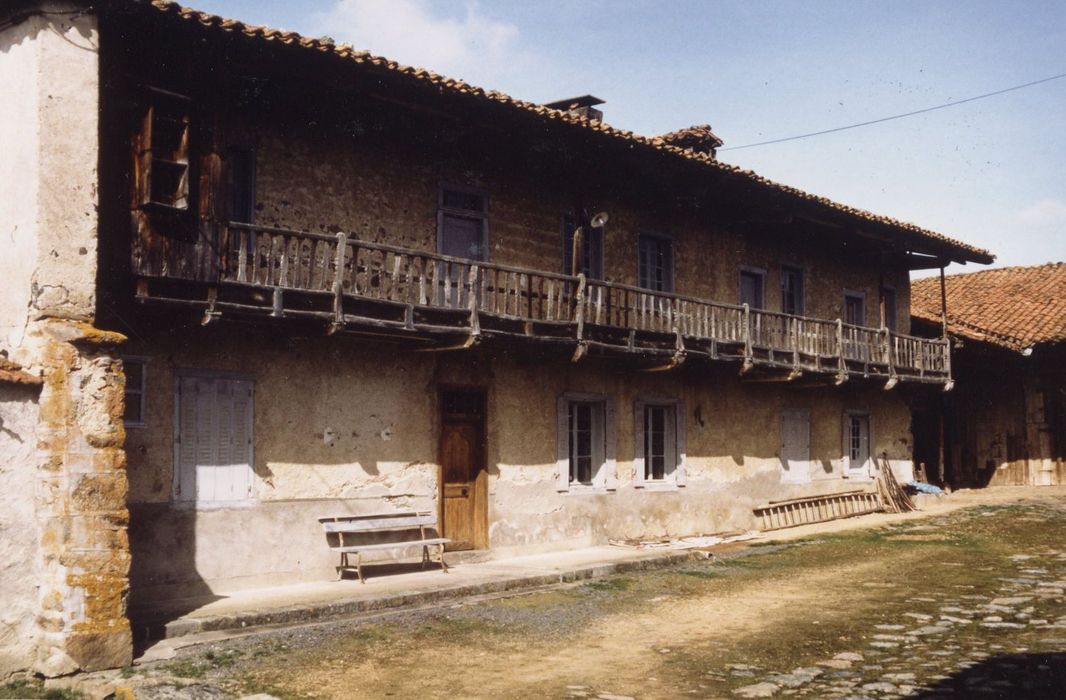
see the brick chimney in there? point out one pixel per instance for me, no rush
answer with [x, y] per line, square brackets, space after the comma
[698, 138]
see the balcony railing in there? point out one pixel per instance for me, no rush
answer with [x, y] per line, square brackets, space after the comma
[357, 281]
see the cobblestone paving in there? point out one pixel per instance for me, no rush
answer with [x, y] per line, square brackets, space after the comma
[951, 644]
[979, 613]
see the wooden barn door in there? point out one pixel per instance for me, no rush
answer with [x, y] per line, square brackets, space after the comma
[464, 480]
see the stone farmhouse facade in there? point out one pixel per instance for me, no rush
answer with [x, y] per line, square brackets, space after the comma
[251, 279]
[1006, 423]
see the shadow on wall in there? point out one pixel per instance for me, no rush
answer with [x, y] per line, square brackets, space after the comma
[162, 541]
[1034, 676]
[15, 35]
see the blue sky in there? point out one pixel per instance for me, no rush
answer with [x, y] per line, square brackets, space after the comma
[991, 172]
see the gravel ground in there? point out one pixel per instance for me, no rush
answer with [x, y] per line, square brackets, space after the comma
[990, 621]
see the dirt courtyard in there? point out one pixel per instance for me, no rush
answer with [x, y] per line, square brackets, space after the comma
[968, 603]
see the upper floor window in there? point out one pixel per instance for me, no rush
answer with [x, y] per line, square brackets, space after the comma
[590, 260]
[752, 287]
[240, 178]
[655, 263]
[855, 308]
[888, 301]
[462, 223]
[792, 301]
[161, 168]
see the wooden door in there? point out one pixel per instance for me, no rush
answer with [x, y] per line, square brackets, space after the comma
[464, 480]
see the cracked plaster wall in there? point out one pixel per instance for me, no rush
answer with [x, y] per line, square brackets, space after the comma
[344, 425]
[382, 188]
[18, 551]
[75, 584]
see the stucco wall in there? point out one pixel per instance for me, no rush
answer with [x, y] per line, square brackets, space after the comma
[76, 468]
[19, 168]
[49, 195]
[379, 187]
[347, 425]
[18, 525]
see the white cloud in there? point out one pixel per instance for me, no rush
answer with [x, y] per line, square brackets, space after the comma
[1046, 212]
[473, 47]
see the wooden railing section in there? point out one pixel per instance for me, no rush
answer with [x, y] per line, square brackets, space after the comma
[343, 267]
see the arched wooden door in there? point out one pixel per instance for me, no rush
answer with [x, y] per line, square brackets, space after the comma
[464, 479]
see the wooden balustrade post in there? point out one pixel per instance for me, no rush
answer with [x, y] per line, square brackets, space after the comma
[529, 297]
[579, 314]
[242, 256]
[475, 323]
[950, 384]
[842, 365]
[338, 279]
[749, 355]
[795, 323]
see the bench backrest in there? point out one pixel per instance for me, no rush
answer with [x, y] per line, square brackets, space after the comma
[380, 522]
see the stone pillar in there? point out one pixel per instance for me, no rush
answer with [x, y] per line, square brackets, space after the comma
[84, 559]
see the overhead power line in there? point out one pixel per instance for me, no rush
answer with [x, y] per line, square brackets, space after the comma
[895, 116]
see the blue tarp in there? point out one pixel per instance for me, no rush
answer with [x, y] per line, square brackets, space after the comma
[922, 487]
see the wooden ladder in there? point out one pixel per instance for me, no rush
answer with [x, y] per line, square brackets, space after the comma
[776, 515]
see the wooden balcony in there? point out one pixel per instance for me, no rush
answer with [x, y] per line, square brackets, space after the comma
[354, 285]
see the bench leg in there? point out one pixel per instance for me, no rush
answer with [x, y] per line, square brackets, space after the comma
[359, 566]
[425, 555]
[443, 566]
[342, 567]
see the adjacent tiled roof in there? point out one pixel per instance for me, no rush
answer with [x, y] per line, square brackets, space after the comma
[444, 84]
[12, 373]
[698, 137]
[1014, 307]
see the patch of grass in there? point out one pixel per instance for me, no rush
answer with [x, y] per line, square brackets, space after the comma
[25, 688]
[700, 573]
[612, 584]
[540, 599]
[188, 668]
[194, 667]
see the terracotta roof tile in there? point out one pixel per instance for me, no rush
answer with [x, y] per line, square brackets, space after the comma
[660, 144]
[1014, 307]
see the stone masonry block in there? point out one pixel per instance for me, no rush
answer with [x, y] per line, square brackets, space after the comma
[99, 492]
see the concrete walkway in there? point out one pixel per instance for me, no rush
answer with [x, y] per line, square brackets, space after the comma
[190, 621]
[385, 589]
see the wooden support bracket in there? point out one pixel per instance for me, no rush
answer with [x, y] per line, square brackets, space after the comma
[580, 351]
[278, 310]
[210, 314]
[678, 357]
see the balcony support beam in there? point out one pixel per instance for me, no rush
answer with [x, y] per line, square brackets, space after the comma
[211, 314]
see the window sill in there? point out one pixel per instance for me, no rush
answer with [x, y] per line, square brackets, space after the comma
[658, 486]
[583, 489]
[213, 505]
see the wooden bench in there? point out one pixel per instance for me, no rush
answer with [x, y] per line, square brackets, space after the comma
[352, 532]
